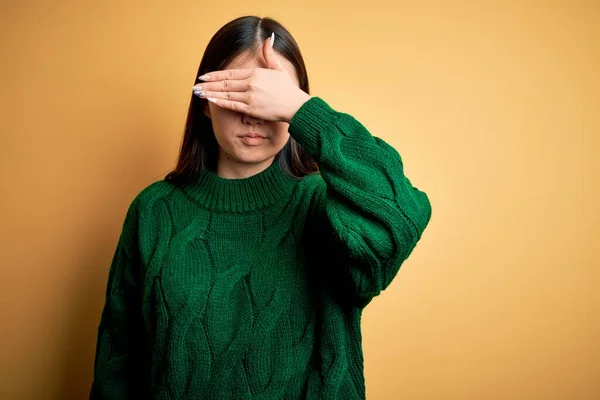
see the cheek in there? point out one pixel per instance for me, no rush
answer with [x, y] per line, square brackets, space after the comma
[282, 135]
[223, 122]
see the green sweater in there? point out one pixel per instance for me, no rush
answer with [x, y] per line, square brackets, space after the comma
[254, 288]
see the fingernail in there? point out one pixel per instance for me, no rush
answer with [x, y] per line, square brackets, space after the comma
[204, 77]
[211, 99]
[199, 93]
[272, 38]
[196, 87]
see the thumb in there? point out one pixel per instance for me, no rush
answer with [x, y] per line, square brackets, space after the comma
[269, 54]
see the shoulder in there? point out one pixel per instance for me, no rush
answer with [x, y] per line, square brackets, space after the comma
[313, 187]
[155, 191]
[311, 181]
[151, 195]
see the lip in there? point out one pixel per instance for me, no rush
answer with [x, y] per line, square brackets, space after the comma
[253, 135]
[252, 141]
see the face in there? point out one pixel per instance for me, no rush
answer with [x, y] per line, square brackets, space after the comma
[230, 126]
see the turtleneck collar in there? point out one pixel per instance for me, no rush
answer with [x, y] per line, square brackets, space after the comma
[243, 194]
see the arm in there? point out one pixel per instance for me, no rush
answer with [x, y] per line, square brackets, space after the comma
[364, 214]
[118, 362]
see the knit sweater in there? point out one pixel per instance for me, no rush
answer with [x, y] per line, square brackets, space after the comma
[254, 288]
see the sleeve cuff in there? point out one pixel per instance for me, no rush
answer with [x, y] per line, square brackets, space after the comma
[310, 120]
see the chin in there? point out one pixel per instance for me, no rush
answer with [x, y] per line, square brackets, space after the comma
[257, 158]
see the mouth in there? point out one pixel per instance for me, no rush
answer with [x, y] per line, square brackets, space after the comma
[252, 139]
[253, 135]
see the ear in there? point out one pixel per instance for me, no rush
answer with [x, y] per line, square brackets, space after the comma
[206, 110]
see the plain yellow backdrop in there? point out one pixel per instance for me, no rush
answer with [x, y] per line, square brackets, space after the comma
[494, 107]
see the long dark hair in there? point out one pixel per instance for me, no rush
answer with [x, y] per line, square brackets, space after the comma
[199, 148]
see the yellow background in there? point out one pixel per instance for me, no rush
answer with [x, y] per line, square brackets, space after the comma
[494, 107]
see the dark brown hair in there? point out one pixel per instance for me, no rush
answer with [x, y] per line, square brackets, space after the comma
[199, 148]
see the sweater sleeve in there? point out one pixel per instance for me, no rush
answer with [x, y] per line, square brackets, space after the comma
[365, 216]
[119, 350]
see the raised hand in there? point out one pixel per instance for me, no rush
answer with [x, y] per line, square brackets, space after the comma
[267, 93]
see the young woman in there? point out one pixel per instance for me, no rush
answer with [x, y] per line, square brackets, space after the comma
[243, 274]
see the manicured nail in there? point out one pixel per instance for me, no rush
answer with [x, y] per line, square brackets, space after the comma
[272, 38]
[212, 99]
[204, 77]
[196, 87]
[199, 93]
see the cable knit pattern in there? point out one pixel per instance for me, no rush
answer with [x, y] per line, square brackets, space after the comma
[254, 288]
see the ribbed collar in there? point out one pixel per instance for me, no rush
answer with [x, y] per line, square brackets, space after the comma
[241, 195]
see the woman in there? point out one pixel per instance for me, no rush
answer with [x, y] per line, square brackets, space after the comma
[243, 274]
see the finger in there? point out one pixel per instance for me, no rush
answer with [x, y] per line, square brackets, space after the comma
[240, 97]
[230, 105]
[269, 54]
[229, 74]
[222, 86]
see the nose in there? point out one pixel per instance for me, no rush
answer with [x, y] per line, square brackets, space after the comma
[249, 120]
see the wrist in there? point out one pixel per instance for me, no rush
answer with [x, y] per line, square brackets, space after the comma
[302, 98]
